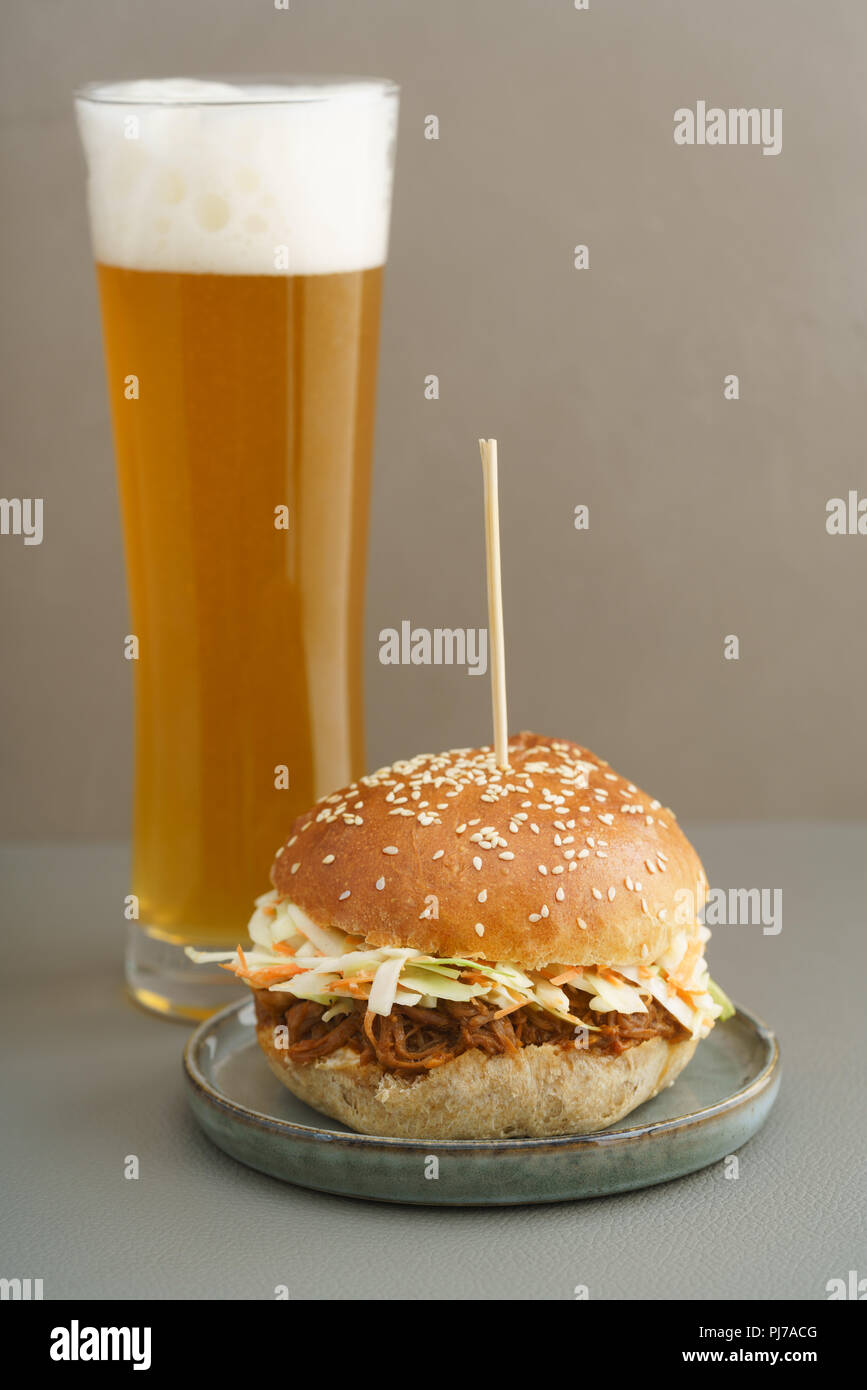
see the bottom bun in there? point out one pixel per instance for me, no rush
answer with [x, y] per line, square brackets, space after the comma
[543, 1091]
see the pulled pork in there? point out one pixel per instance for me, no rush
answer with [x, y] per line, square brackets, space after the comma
[412, 1039]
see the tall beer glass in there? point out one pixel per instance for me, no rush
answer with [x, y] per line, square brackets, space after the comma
[240, 233]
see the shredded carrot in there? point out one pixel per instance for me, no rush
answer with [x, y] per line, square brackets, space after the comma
[471, 977]
[266, 974]
[684, 994]
[354, 987]
[567, 975]
[283, 947]
[687, 963]
[510, 1009]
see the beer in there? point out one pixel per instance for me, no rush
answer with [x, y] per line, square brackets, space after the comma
[239, 256]
[248, 634]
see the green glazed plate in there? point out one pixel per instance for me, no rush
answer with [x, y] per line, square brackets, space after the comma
[716, 1104]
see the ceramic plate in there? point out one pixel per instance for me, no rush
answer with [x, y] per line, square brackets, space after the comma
[716, 1104]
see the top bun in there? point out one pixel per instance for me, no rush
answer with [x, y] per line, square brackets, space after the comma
[556, 860]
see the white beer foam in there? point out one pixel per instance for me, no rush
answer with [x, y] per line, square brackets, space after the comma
[212, 177]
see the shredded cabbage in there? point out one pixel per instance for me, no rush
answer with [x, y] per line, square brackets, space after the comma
[293, 955]
[720, 997]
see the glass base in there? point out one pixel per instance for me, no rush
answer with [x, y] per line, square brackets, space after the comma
[162, 980]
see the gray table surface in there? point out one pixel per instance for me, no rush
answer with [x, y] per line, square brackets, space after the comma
[88, 1079]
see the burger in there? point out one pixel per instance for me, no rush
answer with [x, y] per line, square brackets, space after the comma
[454, 950]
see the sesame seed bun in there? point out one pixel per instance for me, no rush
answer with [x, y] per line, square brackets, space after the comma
[557, 860]
[545, 1090]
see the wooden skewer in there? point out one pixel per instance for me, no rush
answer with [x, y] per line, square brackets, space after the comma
[488, 448]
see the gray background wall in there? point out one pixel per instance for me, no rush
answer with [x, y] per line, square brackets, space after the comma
[604, 387]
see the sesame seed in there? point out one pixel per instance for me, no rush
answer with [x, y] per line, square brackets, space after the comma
[597, 894]
[649, 865]
[663, 913]
[483, 896]
[645, 952]
[507, 854]
[480, 931]
[629, 884]
[439, 854]
[461, 828]
[534, 916]
[534, 828]
[611, 894]
[329, 859]
[279, 852]
[380, 883]
[542, 869]
[644, 908]
[582, 924]
[572, 866]
[545, 910]
[559, 895]
[477, 863]
[343, 896]
[295, 867]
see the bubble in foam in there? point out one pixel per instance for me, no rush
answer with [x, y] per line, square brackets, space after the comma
[216, 177]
